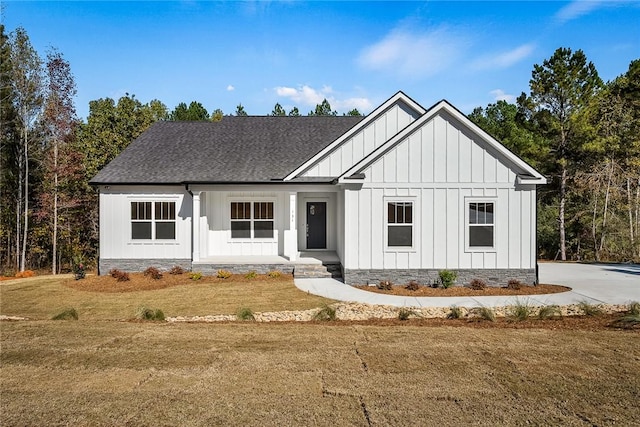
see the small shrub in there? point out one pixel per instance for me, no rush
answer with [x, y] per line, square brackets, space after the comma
[152, 272]
[251, 275]
[195, 276]
[631, 319]
[447, 278]
[487, 313]
[245, 313]
[628, 321]
[385, 285]
[274, 274]
[478, 285]
[79, 269]
[25, 274]
[176, 269]
[145, 313]
[223, 274]
[549, 312]
[589, 309]
[119, 275]
[520, 311]
[634, 308]
[66, 314]
[326, 313]
[514, 284]
[413, 286]
[405, 313]
[455, 312]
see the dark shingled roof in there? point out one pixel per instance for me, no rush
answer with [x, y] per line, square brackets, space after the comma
[236, 149]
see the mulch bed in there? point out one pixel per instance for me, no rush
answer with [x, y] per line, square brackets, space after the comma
[139, 282]
[589, 323]
[459, 291]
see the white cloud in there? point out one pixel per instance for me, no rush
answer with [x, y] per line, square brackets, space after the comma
[413, 54]
[504, 59]
[362, 104]
[231, 88]
[500, 95]
[306, 96]
[576, 9]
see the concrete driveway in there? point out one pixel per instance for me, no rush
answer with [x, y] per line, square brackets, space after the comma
[609, 283]
[592, 283]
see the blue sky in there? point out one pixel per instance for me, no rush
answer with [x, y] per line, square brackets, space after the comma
[356, 54]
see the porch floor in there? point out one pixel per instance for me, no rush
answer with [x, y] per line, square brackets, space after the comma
[306, 257]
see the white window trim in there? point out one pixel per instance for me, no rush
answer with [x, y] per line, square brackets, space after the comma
[251, 201]
[467, 225]
[414, 217]
[153, 220]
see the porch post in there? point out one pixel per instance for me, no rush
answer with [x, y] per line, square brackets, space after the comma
[196, 226]
[291, 234]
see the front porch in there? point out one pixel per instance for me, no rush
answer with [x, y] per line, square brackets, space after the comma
[305, 264]
[274, 226]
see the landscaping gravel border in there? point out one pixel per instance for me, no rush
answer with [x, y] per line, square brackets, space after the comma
[359, 311]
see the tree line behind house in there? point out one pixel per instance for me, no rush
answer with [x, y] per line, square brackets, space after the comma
[582, 133]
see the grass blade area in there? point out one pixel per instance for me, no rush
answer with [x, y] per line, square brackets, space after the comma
[127, 373]
[44, 297]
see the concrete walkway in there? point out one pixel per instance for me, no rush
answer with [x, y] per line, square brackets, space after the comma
[592, 283]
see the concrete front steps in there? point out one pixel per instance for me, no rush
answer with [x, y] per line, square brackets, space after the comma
[308, 271]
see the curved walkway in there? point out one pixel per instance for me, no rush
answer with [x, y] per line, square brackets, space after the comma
[592, 283]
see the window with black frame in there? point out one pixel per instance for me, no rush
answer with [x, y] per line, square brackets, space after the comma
[252, 220]
[481, 224]
[153, 220]
[400, 224]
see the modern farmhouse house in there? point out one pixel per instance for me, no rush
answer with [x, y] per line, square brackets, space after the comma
[397, 195]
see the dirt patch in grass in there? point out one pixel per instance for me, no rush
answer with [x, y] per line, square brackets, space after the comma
[140, 282]
[117, 373]
[459, 291]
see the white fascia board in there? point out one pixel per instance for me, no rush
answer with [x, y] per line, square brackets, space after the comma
[526, 180]
[451, 110]
[400, 96]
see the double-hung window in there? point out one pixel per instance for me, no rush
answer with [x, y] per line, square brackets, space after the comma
[481, 224]
[252, 220]
[263, 219]
[153, 220]
[399, 224]
[240, 220]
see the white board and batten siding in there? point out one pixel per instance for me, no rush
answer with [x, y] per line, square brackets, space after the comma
[216, 232]
[362, 143]
[440, 167]
[115, 223]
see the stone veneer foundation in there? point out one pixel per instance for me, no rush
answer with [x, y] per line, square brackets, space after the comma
[139, 265]
[493, 277]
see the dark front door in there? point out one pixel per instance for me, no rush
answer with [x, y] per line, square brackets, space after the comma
[316, 225]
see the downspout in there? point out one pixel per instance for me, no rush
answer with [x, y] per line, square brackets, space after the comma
[186, 187]
[537, 282]
[99, 225]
